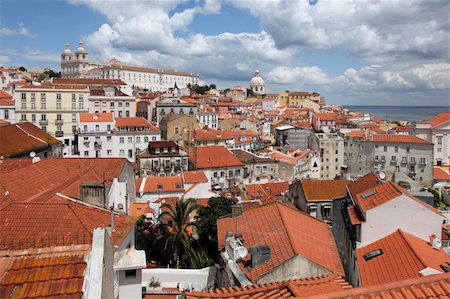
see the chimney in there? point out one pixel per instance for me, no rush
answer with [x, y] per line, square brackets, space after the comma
[237, 210]
[112, 218]
[260, 255]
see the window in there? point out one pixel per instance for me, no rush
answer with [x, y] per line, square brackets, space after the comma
[74, 128]
[97, 128]
[326, 212]
[215, 174]
[96, 104]
[58, 117]
[119, 104]
[121, 153]
[33, 117]
[423, 161]
[33, 97]
[104, 104]
[33, 106]
[146, 139]
[407, 149]
[394, 159]
[108, 138]
[43, 117]
[130, 153]
[222, 174]
[73, 97]
[312, 210]
[127, 113]
[111, 104]
[44, 128]
[127, 104]
[122, 140]
[23, 96]
[130, 139]
[439, 140]
[42, 96]
[153, 138]
[138, 139]
[86, 153]
[85, 128]
[23, 105]
[81, 105]
[108, 127]
[385, 148]
[396, 149]
[58, 106]
[230, 173]
[120, 113]
[109, 152]
[176, 130]
[43, 106]
[58, 97]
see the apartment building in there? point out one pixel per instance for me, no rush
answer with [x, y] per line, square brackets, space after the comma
[103, 135]
[331, 148]
[111, 99]
[437, 131]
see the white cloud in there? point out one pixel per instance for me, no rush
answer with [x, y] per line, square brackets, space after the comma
[22, 30]
[33, 55]
[4, 60]
[301, 75]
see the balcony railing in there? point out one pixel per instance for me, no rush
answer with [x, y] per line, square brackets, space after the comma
[59, 133]
[59, 122]
[412, 162]
[43, 122]
[97, 144]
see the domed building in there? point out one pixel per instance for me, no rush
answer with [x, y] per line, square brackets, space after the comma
[257, 84]
[74, 65]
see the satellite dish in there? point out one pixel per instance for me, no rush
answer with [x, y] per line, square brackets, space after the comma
[241, 252]
[32, 154]
[382, 175]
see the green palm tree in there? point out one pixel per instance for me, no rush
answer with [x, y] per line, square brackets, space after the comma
[187, 251]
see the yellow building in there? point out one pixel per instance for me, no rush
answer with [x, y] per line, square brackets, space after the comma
[53, 108]
[283, 98]
[296, 98]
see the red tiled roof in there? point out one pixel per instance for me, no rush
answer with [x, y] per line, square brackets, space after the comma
[56, 223]
[397, 138]
[6, 102]
[160, 184]
[97, 117]
[270, 189]
[440, 174]
[362, 184]
[82, 81]
[404, 255]
[22, 138]
[325, 116]
[427, 287]
[293, 288]
[317, 190]
[47, 273]
[39, 181]
[134, 122]
[288, 232]
[213, 157]
[355, 134]
[355, 217]
[139, 208]
[439, 119]
[54, 87]
[194, 176]
[284, 158]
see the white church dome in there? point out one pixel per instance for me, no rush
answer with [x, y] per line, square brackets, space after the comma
[81, 49]
[67, 50]
[257, 80]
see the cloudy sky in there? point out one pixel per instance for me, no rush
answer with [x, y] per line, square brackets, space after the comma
[352, 51]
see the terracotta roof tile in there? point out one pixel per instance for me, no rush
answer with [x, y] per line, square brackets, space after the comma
[58, 273]
[355, 134]
[97, 117]
[362, 184]
[54, 87]
[160, 184]
[213, 157]
[427, 287]
[288, 232]
[281, 289]
[134, 122]
[82, 81]
[6, 102]
[403, 256]
[194, 177]
[270, 189]
[316, 190]
[388, 138]
[22, 138]
[440, 174]
[138, 209]
[439, 119]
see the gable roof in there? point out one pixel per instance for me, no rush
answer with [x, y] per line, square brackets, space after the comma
[56, 223]
[432, 286]
[324, 190]
[134, 122]
[404, 255]
[194, 177]
[248, 157]
[439, 119]
[440, 174]
[394, 138]
[22, 138]
[213, 157]
[160, 184]
[292, 288]
[288, 232]
[269, 189]
[56, 272]
[366, 182]
[97, 117]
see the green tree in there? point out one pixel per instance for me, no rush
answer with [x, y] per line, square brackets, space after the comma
[207, 223]
[187, 252]
[151, 238]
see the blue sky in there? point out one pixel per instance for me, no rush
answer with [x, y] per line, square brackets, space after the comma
[352, 52]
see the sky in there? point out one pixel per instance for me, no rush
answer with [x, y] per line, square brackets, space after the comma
[353, 52]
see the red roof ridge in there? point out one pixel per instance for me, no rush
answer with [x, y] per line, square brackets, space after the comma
[402, 234]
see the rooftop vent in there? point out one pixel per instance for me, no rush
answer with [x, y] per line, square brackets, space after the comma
[372, 254]
[369, 194]
[260, 255]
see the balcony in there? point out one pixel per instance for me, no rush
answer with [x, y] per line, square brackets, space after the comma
[97, 144]
[423, 163]
[393, 162]
[59, 122]
[404, 161]
[43, 122]
[412, 162]
[59, 133]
